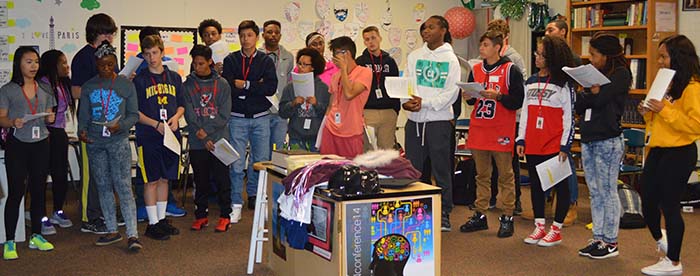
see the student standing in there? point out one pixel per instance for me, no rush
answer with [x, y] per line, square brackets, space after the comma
[428, 130]
[316, 41]
[349, 88]
[492, 131]
[109, 97]
[99, 27]
[284, 63]
[26, 147]
[547, 130]
[54, 71]
[672, 128]
[600, 111]
[252, 77]
[210, 32]
[161, 104]
[207, 110]
[381, 111]
[306, 114]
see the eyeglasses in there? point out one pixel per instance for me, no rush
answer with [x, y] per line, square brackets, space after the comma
[538, 55]
[301, 64]
[339, 52]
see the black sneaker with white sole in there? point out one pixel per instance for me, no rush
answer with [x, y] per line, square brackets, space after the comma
[506, 228]
[586, 251]
[96, 226]
[108, 239]
[604, 251]
[476, 222]
[445, 225]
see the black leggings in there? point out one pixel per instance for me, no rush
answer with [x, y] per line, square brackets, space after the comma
[664, 179]
[58, 168]
[537, 195]
[25, 163]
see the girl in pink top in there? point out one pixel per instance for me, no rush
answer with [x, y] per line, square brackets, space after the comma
[316, 41]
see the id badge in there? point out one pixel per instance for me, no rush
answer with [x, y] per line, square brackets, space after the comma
[337, 117]
[493, 78]
[587, 115]
[163, 114]
[378, 91]
[241, 97]
[540, 122]
[105, 132]
[307, 123]
[36, 132]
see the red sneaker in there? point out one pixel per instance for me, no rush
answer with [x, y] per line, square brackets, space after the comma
[199, 224]
[552, 238]
[223, 225]
[536, 235]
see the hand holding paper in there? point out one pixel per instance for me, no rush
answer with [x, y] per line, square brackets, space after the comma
[170, 141]
[30, 117]
[399, 87]
[471, 89]
[303, 84]
[225, 152]
[219, 50]
[131, 65]
[660, 85]
[586, 75]
[552, 172]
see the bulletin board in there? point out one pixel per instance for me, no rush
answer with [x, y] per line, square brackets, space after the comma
[178, 43]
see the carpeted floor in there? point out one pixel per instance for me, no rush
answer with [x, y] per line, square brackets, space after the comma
[480, 253]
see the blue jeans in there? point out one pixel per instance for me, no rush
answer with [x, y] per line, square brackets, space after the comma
[601, 164]
[110, 169]
[243, 131]
[306, 144]
[278, 130]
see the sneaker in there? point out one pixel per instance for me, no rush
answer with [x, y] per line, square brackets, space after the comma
[108, 239]
[141, 214]
[199, 224]
[251, 202]
[223, 225]
[445, 225]
[518, 208]
[61, 219]
[10, 251]
[662, 244]
[507, 228]
[153, 231]
[47, 228]
[552, 238]
[165, 225]
[536, 234]
[663, 267]
[604, 251]
[476, 222]
[134, 244]
[96, 226]
[172, 210]
[235, 213]
[586, 251]
[38, 242]
[120, 219]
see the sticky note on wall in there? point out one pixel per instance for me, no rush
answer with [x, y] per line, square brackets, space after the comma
[132, 47]
[169, 50]
[176, 38]
[180, 61]
[10, 4]
[11, 23]
[132, 38]
[182, 51]
[188, 38]
[11, 39]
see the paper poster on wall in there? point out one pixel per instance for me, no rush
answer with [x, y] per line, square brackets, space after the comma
[361, 12]
[4, 76]
[3, 14]
[90, 4]
[395, 36]
[322, 8]
[665, 17]
[419, 13]
[69, 48]
[279, 236]
[411, 38]
[340, 10]
[386, 17]
[178, 43]
[338, 30]
[352, 30]
[4, 47]
[304, 28]
[292, 11]
[289, 33]
[390, 238]
[396, 53]
[323, 27]
[321, 228]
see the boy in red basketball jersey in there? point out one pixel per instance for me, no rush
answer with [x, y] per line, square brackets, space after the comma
[492, 131]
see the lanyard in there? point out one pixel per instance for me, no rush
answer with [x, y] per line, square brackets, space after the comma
[105, 106]
[377, 75]
[198, 90]
[165, 81]
[541, 93]
[36, 99]
[243, 68]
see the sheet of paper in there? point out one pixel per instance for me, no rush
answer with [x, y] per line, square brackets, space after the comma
[219, 50]
[30, 117]
[131, 65]
[371, 136]
[274, 101]
[399, 87]
[303, 84]
[109, 123]
[225, 152]
[665, 16]
[658, 88]
[172, 65]
[586, 75]
[471, 88]
[170, 141]
[552, 172]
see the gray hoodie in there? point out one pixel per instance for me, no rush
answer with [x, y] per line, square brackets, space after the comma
[207, 107]
[97, 105]
[297, 115]
[516, 58]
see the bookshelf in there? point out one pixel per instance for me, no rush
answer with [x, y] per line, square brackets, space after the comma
[636, 23]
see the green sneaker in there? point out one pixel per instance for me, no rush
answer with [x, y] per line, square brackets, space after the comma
[10, 251]
[38, 242]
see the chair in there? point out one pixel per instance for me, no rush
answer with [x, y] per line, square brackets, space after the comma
[634, 144]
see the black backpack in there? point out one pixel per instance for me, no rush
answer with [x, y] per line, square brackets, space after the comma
[631, 216]
[464, 182]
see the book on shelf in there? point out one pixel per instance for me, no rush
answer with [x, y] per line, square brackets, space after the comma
[585, 44]
[630, 115]
[638, 68]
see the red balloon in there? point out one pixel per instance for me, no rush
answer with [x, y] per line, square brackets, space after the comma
[462, 22]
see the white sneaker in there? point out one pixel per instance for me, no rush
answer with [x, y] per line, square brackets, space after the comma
[662, 244]
[663, 267]
[236, 212]
[61, 219]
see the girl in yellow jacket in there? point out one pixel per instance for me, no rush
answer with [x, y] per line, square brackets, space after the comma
[672, 126]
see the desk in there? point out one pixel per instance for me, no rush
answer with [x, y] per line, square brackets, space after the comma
[346, 231]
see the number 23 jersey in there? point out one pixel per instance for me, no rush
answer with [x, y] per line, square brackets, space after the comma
[492, 125]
